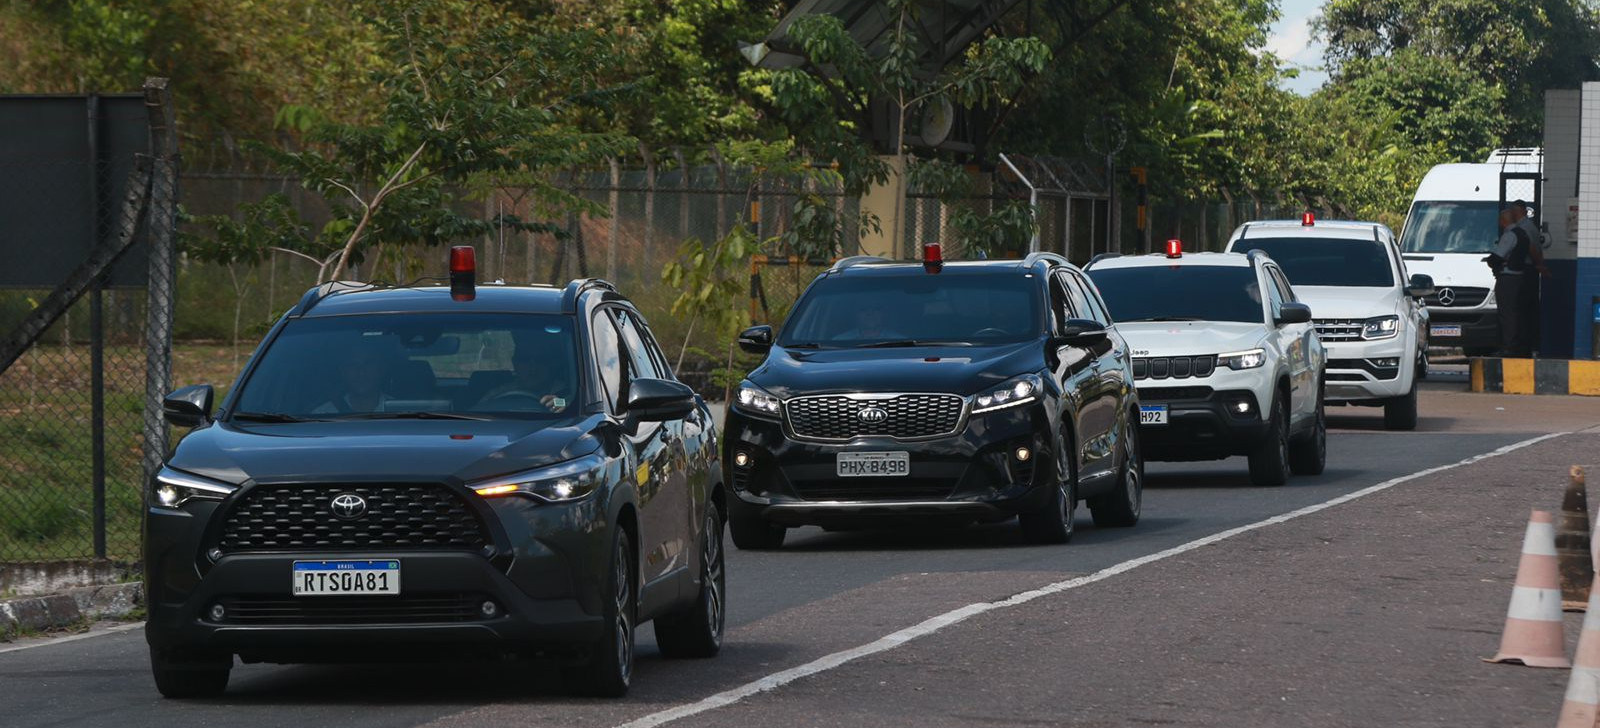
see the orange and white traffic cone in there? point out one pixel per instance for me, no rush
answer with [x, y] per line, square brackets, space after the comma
[1582, 705]
[1533, 621]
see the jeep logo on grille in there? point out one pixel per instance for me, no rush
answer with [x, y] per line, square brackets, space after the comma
[1447, 296]
[348, 506]
[873, 415]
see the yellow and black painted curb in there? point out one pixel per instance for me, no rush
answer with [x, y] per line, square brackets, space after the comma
[1536, 376]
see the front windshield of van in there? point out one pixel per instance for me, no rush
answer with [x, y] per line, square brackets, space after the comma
[1451, 227]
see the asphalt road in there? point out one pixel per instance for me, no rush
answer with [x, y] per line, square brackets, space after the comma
[823, 593]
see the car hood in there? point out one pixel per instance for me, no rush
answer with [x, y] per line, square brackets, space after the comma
[1190, 338]
[1451, 269]
[1349, 302]
[380, 449]
[959, 370]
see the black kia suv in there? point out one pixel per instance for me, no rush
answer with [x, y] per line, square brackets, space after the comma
[410, 473]
[962, 391]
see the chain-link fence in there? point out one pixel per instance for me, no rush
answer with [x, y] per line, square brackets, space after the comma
[84, 360]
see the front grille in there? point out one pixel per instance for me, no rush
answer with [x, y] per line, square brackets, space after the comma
[400, 609]
[875, 489]
[1339, 329]
[909, 416]
[298, 516]
[1171, 394]
[1458, 297]
[1173, 367]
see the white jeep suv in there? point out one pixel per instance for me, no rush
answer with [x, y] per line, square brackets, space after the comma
[1370, 315]
[1224, 357]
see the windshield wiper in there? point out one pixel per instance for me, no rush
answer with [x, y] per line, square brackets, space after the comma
[1162, 318]
[413, 416]
[803, 345]
[271, 417]
[911, 342]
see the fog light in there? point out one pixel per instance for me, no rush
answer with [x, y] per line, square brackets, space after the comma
[1023, 454]
[1242, 406]
[741, 459]
[490, 609]
[1385, 363]
[218, 612]
[168, 495]
[215, 554]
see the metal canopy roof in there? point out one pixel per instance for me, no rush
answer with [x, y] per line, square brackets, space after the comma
[943, 28]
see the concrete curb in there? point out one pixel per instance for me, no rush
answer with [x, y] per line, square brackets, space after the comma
[72, 607]
[1535, 376]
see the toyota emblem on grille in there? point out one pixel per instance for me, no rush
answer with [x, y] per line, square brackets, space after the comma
[873, 415]
[1447, 296]
[348, 506]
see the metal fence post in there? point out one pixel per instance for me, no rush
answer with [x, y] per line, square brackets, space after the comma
[161, 226]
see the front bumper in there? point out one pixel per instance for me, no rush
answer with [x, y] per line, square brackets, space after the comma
[546, 590]
[973, 475]
[1480, 327]
[1365, 370]
[1202, 423]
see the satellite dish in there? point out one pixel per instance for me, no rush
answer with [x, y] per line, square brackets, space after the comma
[938, 118]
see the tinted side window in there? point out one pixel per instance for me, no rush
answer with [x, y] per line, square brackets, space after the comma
[608, 355]
[641, 365]
[1274, 293]
[1061, 300]
[1284, 289]
[1097, 308]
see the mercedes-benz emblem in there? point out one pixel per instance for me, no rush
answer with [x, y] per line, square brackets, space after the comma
[873, 415]
[348, 506]
[1447, 296]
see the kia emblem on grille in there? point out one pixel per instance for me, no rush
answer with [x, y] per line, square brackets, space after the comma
[348, 506]
[873, 415]
[1447, 296]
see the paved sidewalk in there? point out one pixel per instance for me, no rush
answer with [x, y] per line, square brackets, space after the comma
[1375, 612]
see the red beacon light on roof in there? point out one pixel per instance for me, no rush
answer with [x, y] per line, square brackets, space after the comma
[1308, 218]
[1174, 248]
[463, 273]
[932, 257]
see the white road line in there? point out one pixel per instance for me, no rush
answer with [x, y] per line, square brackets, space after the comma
[74, 638]
[935, 624]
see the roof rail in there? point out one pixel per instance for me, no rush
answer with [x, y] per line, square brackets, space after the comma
[856, 260]
[1256, 253]
[1100, 257]
[579, 286]
[318, 292]
[1044, 255]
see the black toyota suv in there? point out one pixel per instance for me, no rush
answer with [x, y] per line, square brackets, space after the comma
[962, 391]
[408, 473]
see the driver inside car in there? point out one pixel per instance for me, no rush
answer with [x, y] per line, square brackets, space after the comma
[548, 380]
[362, 372]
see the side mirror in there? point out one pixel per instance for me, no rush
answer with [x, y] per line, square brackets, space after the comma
[1294, 313]
[658, 400]
[188, 407]
[1421, 286]
[1080, 332]
[756, 339]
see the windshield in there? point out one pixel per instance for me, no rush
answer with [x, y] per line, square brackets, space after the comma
[849, 311]
[1181, 293]
[1326, 261]
[445, 365]
[1451, 227]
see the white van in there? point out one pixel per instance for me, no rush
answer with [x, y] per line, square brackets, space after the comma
[1452, 224]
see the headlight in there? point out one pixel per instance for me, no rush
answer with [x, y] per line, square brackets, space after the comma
[1020, 390]
[1243, 359]
[755, 401]
[568, 481]
[173, 488]
[1381, 327]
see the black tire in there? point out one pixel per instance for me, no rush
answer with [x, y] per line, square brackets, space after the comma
[1053, 520]
[1269, 464]
[1400, 413]
[1422, 364]
[605, 670]
[1308, 455]
[750, 531]
[1120, 509]
[697, 630]
[189, 678]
